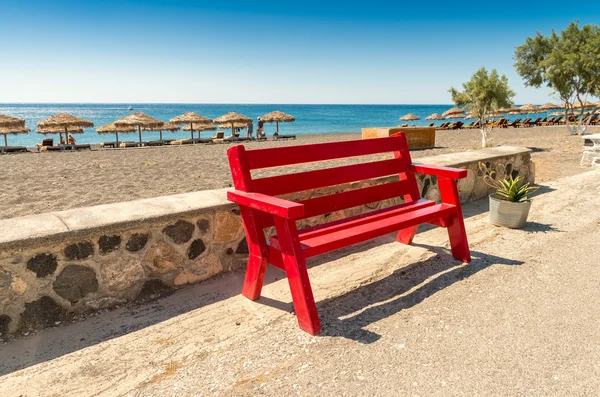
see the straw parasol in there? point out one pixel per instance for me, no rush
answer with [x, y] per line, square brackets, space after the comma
[277, 117]
[556, 114]
[452, 111]
[66, 121]
[165, 127]
[111, 128]
[409, 117]
[9, 121]
[456, 116]
[191, 118]
[140, 120]
[529, 108]
[231, 119]
[550, 106]
[13, 131]
[199, 128]
[435, 116]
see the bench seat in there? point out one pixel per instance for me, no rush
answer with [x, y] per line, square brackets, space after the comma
[328, 237]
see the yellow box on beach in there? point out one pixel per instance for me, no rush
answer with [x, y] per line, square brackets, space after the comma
[417, 137]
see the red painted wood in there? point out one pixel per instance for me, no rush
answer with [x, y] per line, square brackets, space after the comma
[268, 204]
[444, 172]
[406, 235]
[340, 237]
[258, 253]
[352, 198]
[289, 248]
[309, 180]
[288, 155]
[240, 170]
[357, 220]
[295, 269]
[455, 223]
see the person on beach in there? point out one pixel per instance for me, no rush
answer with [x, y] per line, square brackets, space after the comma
[250, 130]
[71, 140]
[260, 132]
[62, 140]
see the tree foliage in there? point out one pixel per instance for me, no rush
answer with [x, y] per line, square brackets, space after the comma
[484, 94]
[568, 63]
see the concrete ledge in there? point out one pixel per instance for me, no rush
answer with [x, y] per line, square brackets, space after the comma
[33, 230]
[462, 158]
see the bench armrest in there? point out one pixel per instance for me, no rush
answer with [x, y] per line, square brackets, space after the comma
[269, 204]
[439, 171]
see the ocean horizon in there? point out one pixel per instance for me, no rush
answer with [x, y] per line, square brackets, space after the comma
[310, 119]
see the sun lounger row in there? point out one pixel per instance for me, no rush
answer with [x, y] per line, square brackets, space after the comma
[218, 138]
[592, 119]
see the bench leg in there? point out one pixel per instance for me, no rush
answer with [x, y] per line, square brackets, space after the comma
[257, 247]
[455, 223]
[295, 269]
[405, 236]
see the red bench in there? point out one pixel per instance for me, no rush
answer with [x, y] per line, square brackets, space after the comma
[288, 250]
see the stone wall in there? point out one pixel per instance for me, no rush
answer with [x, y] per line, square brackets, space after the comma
[55, 265]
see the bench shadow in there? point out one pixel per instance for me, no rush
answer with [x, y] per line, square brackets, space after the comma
[347, 315]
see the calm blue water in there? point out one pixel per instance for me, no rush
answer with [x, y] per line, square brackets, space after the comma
[310, 119]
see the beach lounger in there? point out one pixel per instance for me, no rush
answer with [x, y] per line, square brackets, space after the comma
[431, 124]
[283, 137]
[105, 145]
[83, 146]
[524, 123]
[470, 126]
[128, 144]
[13, 149]
[155, 143]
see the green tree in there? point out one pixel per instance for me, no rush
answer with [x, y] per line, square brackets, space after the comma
[484, 94]
[568, 63]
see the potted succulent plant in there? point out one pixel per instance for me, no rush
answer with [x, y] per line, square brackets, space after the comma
[510, 204]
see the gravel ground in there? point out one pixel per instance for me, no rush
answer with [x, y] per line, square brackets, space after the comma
[520, 320]
[35, 183]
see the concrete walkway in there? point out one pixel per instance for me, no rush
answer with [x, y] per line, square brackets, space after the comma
[521, 319]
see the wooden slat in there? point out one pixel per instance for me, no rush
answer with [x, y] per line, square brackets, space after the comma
[297, 182]
[343, 237]
[352, 198]
[288, 155]
[360, 219]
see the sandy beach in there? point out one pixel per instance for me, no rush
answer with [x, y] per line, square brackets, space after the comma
[41, 182]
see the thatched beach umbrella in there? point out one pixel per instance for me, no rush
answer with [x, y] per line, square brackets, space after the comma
[452, 111]
[165, 127]
[231, 119]
[435, 116]
[140, 120]
[277, 117]
[59, 131]
[199, 128]
[456, 116]
[409, 117]
[529, 108]
[549, 106]
[65, 121]
[191, 118]
[9, 121]
[111, 128]
[13, 131]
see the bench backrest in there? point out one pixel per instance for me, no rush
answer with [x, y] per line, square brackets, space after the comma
[242, 162]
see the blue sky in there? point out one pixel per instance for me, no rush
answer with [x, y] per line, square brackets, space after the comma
[265, 52]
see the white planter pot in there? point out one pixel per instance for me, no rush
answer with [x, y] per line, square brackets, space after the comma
[508, 214]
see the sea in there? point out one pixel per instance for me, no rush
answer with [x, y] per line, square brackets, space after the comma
[310, 119]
